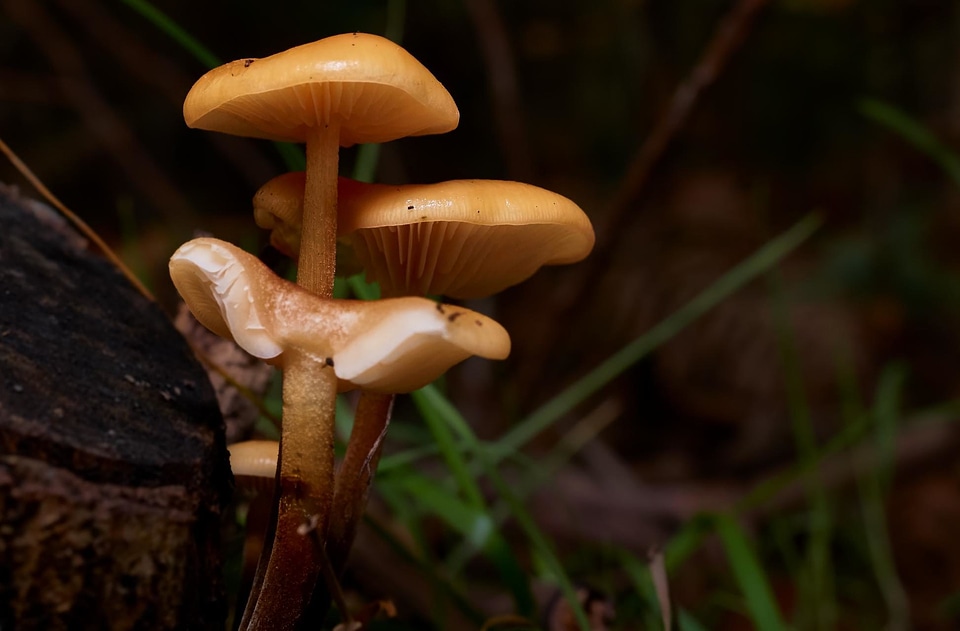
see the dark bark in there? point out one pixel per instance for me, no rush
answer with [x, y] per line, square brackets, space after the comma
[113, 464]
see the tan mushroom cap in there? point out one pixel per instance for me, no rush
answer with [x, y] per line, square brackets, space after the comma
[390, 346]
[254, 464]
[278, 207]
[376, 89]
[463, 238]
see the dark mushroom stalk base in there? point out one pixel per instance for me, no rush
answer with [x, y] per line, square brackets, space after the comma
[291, 561]
[305, 481]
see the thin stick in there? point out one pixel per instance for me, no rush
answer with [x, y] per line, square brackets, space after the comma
[80, 224]
[727, 38]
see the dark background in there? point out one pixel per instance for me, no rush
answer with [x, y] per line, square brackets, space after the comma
[563, 94]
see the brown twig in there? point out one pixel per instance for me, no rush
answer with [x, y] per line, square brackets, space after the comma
[727, 38]
[81, 225]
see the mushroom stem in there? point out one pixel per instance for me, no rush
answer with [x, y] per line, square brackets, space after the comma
[306, 467]
[305, 480]
[356, 473]
[318, 247]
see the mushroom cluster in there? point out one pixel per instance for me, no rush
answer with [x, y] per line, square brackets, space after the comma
[463, 239]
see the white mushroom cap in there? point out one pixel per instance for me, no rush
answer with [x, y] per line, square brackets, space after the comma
[390, 346]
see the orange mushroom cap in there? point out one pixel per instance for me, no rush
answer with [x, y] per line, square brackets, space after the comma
[376, 89]
[463, 238]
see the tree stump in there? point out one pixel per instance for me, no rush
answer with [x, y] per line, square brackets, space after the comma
[113, 463]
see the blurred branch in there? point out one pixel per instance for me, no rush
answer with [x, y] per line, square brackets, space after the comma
[502, 80]
[27, 87]
[728, 37]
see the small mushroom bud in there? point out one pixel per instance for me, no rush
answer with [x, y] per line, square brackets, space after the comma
[278, 207]
[254, 464]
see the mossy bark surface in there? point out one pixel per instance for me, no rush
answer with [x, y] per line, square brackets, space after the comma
[113, 464]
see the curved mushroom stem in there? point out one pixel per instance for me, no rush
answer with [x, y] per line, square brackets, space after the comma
[305, 473]
[356, 473]
[318, 242]
[352, 488]
[290, 567]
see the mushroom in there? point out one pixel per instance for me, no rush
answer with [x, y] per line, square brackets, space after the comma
[462, 238]
[466, 239]
[278, 207]
[334, 92]
[338, 91]
[254, 464]
[388, 346]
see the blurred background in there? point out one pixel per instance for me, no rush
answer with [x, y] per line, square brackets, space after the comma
[691, 132]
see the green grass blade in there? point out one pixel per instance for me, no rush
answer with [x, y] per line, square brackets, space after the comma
[293, 157]
[887, 408]
[818, 602]
[540, 543]
[475, 525]
[642, 580]
[686, 541]
[430, 401]
[749, 575]
[365, 168]
[440, 418]
[437, 423]
[362, 289]
[446, 588]
[437, 499]
[176, 32]
[686, 622]
[538, 472]
[913, 132]
[762, 260]
[873, 486]
[405, 458]
[368, 155]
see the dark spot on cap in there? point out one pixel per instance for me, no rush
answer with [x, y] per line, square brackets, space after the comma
[328, 361]
[247, 62]
[440, 307]
[478, 322]
[409, 207]
[423, 216]
[454, 316]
